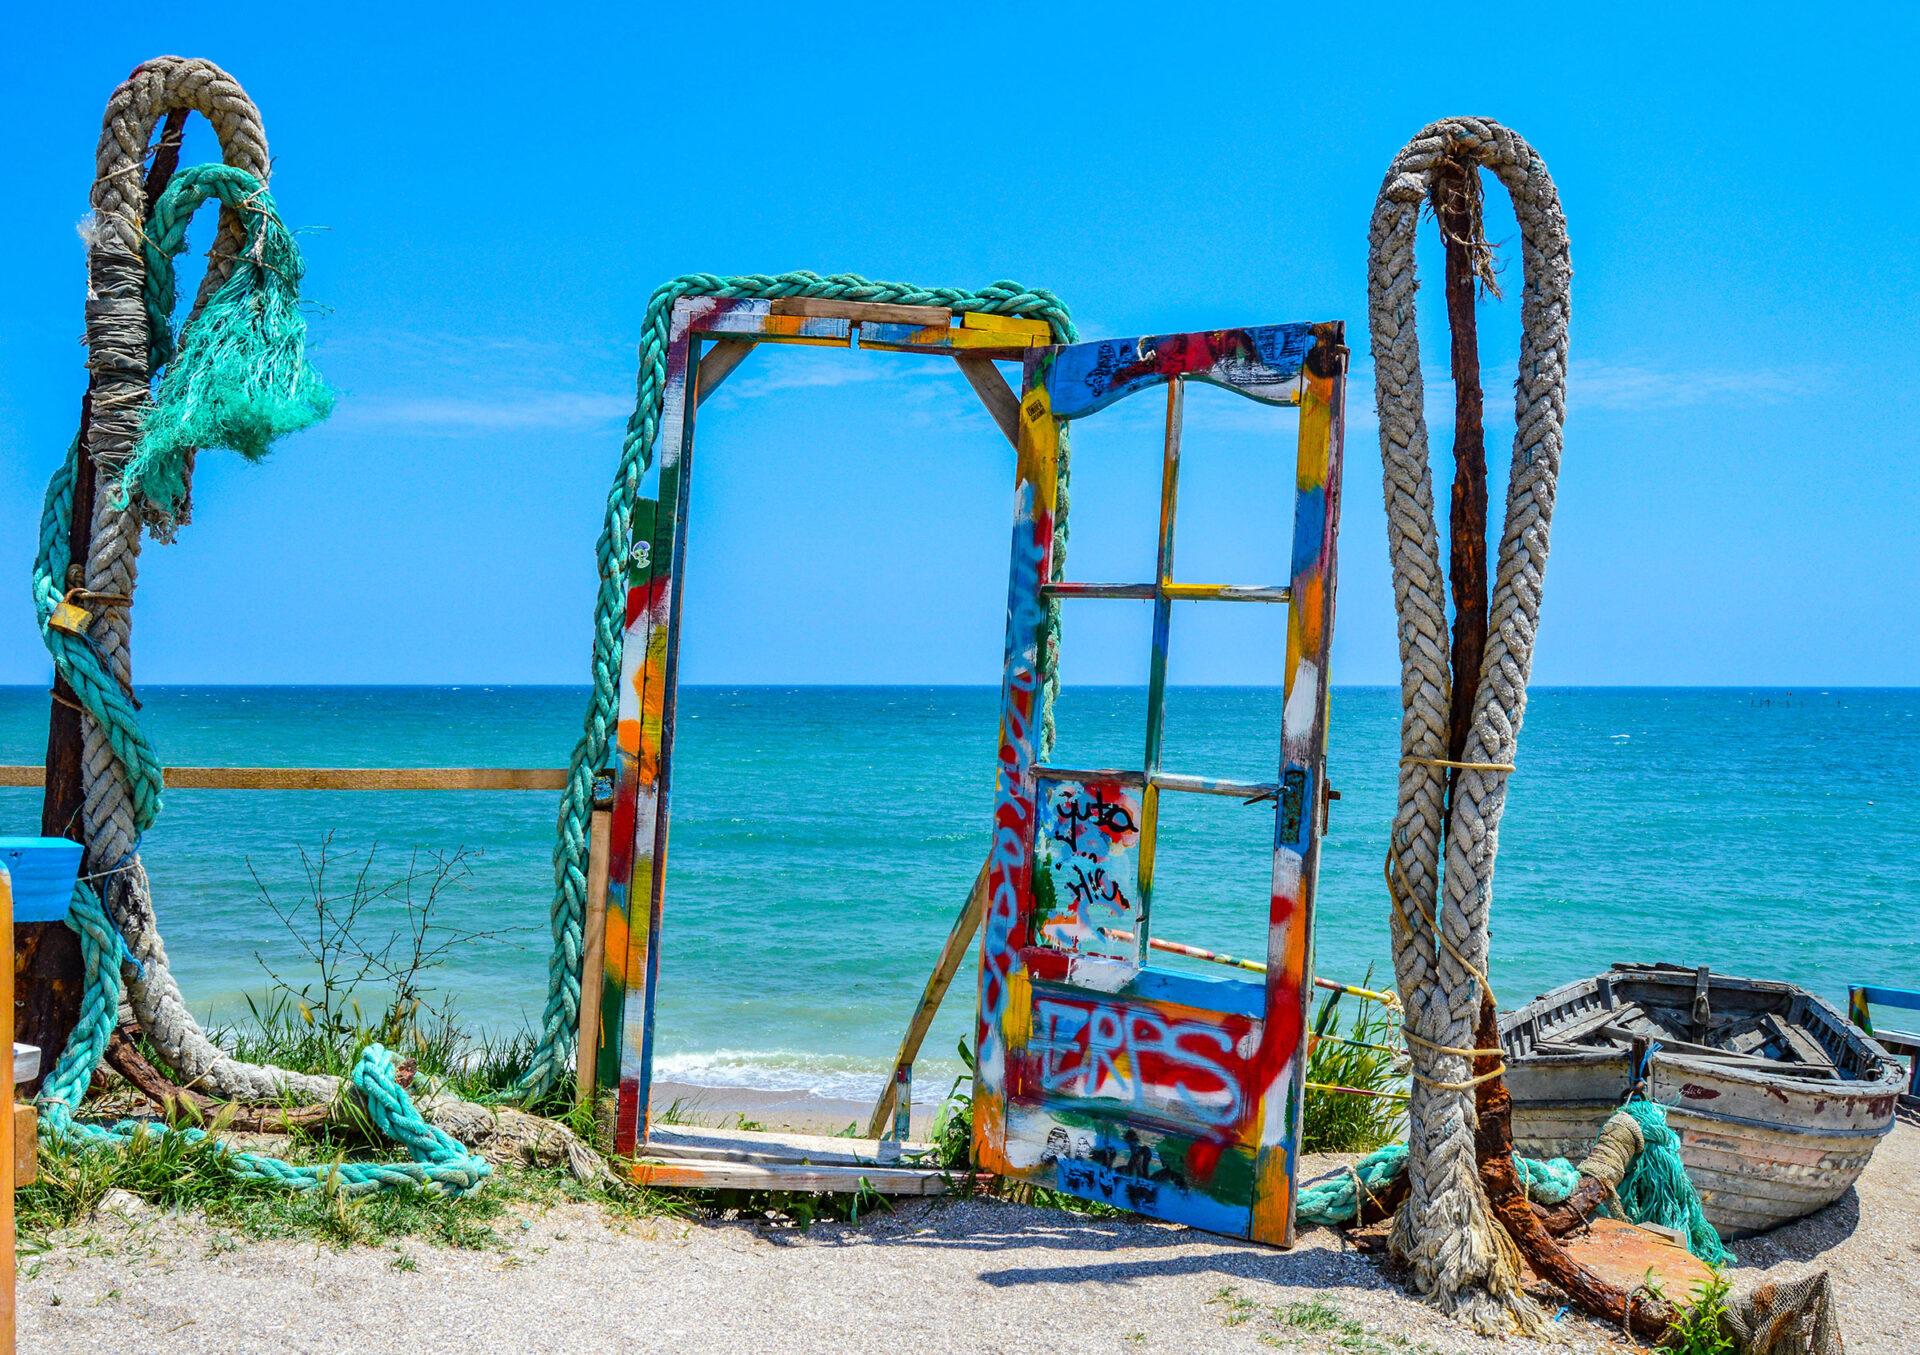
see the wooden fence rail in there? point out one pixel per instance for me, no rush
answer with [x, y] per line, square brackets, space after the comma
[335, 778]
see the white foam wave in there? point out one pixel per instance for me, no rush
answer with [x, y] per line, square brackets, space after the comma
[840, 1077]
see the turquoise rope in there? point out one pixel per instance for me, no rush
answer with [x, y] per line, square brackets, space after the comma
[238, 374]
[1548, 1182]
[1336, 1200]
[561, 1018]
[1656, 1188]
[75, 659]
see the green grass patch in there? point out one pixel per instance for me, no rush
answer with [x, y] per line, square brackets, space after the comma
[168, 1172]
[1311, 1324]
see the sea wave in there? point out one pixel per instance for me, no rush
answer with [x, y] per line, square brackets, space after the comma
[840, 1077]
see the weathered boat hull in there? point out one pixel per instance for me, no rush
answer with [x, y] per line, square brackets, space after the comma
[1762, 1148]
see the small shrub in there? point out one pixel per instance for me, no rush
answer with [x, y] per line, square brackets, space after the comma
[1699, 1328]
[1338, 1122]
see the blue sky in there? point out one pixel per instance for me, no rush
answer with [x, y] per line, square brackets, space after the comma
[493, 192]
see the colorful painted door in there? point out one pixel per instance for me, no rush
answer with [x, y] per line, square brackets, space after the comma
[1172, 1094]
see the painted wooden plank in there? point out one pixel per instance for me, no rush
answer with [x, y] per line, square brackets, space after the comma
[336, 778]
[1007, 324]
[708, 317]
[593, 961]
[959, 939]
[938, 317]
[1157, 660]
[1125, 776]
[718, 364]
[645, 718]
[696, 1174]
[1301, 802]
[772, 1147]
[1003, 406]
[1004, 1015]
[1007, 347]
[627, 926]
[9, 1130]
[1064, 588]
[1887, 997]
[1224, 787]
[1263, 364]
[1228, 592]
[929, 331]
[1179, 592]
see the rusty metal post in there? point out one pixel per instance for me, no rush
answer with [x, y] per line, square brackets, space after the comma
[1456, 197]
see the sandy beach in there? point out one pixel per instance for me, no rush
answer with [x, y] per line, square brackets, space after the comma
[932, 1275]
[804, 1111]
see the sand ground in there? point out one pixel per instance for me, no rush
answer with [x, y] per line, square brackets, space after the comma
[931, 1276]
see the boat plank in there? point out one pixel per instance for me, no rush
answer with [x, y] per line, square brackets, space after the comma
[742, 1145]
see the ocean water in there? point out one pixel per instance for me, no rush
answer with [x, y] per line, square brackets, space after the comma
[824, 839]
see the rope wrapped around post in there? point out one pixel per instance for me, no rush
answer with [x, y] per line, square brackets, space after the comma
[122, 792]
[238, 377]
[1456, 1253]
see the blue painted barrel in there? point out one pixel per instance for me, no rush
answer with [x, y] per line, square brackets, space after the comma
[43, 871]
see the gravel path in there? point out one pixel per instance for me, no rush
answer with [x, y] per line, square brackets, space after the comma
[932, 1276]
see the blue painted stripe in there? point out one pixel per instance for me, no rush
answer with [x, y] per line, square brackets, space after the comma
[1203, 992]
[1890, 997]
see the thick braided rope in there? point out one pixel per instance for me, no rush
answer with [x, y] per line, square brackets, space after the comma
[561, 1020]
[119, 804]
[1455, 1251]
[75, 659]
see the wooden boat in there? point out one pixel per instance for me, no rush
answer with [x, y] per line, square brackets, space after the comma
[1778, 1101]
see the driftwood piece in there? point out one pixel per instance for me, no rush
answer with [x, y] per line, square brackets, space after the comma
[1636, 1312]
[179, 1103]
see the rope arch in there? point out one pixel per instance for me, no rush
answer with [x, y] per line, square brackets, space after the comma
[1457, 1254]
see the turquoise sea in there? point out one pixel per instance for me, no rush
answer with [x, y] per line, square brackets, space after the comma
[824, 837]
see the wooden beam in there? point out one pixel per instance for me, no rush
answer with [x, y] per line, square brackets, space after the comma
[994, 392]
[593, 962]
[717, 364]
[951, 954]
[1493, 1146]
[764, 1147]
[696, 1174]
[931, 317]
[336, 778]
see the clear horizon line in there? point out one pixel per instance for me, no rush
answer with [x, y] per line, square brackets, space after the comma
[1798, 687]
